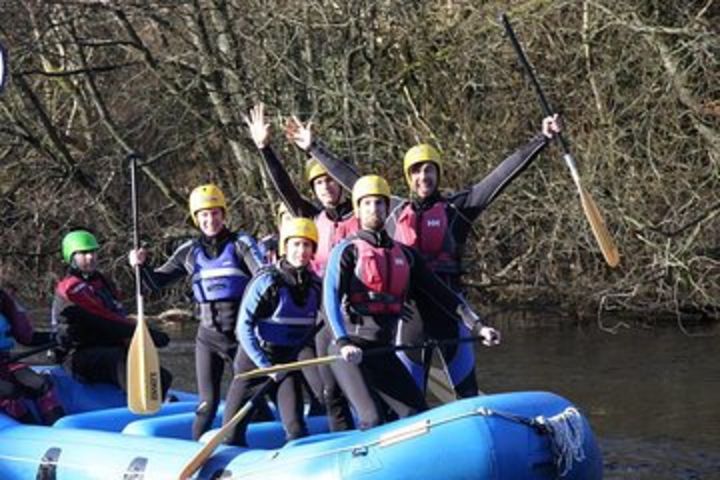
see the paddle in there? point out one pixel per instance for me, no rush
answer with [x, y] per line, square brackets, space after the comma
[143, 366]
[3, 67]
[592, 212]
[286, 367]
[28, 353]
[206, 451]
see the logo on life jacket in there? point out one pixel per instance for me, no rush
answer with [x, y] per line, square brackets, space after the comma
[434, 223]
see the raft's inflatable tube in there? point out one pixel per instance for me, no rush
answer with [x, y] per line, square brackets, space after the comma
[492, 437]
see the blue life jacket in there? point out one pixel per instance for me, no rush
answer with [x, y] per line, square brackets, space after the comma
[7, 342]
[219, 278]
[290, 322]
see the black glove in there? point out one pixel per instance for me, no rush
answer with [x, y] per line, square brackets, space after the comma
[159, 338]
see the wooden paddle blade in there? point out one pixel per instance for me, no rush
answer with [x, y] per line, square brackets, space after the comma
[194, 464]
[597, 224]
[439, 385]
[144, 392]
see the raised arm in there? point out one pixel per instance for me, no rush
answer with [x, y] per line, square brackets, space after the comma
[481, 195]
[289, 194]
[302, 136]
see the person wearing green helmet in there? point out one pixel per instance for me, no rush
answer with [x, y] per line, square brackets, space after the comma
[438, 226]
[91, 324]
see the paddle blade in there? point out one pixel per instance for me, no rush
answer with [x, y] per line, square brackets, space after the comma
[196, 462]
[597, 224]
[144, 392]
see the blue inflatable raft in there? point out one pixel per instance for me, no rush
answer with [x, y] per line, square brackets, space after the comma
[527, 435]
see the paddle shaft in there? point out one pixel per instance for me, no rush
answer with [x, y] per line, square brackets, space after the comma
[133, 157]
[282, 367]
[206, 451]
[569, 160]
[28, 353]
[533, 79]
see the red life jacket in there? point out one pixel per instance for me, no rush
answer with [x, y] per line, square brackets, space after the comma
[330, 233]
[429, 232]
[381, 280]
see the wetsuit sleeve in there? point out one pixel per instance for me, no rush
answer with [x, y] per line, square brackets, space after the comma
[20, 324]
[259, 301]
[80, 295]
[177, 267]
[427, 284]
[340, 267]
[340, 170]
[298, 205]
[473, 201]
[250, 253]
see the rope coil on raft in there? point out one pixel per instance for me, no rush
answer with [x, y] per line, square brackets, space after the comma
[565, 431]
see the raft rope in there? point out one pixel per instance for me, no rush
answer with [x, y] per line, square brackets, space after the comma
[565, 430]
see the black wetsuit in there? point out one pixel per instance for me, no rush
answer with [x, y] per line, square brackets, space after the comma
[428, 319]
[276, 323]
[382, 378]
[215, 342]
[320, 379]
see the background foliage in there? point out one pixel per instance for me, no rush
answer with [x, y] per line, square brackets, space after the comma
[635, 81]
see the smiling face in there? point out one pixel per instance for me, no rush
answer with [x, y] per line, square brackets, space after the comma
[210, 221]
[372, 212]
[327, 190]
[299, 251]
[424, 178]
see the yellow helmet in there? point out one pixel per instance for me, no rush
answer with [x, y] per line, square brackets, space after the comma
[369, 185]
[206, 196]
[313, 170]
[418, 154]
[298, 227]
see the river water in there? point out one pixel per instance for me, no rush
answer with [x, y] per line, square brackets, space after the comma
[652, 394]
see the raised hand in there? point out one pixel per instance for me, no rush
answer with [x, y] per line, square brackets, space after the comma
[259, 130]
[297, 133]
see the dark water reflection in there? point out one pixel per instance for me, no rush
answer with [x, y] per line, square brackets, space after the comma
[652, 396]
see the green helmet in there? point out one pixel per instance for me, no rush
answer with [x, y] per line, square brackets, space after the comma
[78, 241]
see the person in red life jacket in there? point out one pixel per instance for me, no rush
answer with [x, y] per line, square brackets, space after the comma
[18, 381]
[277, 316]
[219, 263]
[93, 329]
[334, 220]
[438, 226]
[332, 209]
[369, 278]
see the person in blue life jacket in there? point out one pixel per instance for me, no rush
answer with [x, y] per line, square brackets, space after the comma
[369, 278]
[276, 318]
[438, 226]
[91, 324]
[332, 213]
[220, 264]
[19, 382]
